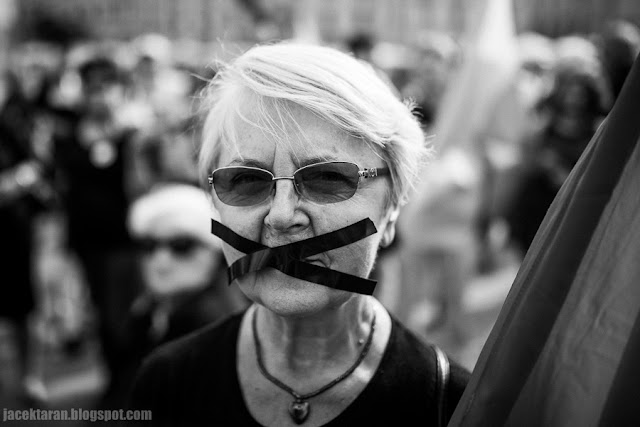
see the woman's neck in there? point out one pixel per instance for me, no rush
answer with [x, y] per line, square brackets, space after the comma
[326, 340]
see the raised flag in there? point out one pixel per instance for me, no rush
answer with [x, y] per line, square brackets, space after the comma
[565, 348]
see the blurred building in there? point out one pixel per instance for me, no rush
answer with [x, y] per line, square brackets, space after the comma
[331, 20]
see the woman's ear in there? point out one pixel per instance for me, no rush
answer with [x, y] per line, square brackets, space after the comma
[389, 232]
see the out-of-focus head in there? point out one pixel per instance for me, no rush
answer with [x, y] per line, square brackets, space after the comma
[619, 46]
[536, 52]
[172, 224]
[437, 56]
[537, 58]
[438, 46]
[34, 62]
[361, 45]
[329, 84]
[153, 48]
[581, 86]
[103, 83]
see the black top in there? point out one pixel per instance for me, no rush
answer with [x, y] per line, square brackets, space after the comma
[18, 210]
[95, 195]
[194, 382]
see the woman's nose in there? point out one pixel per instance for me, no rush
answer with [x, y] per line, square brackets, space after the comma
[283, 213]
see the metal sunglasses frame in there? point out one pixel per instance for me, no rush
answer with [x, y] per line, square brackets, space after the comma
[364, 173]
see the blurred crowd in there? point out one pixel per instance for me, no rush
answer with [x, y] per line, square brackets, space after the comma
[495, 171]
[105, 235]
[488, 188]
[88, 134]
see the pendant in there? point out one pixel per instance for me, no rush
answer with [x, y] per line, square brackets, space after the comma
[299, 410]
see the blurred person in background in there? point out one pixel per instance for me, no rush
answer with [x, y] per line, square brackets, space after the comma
[182, 270]
[154, 56]
[291, 137]
[436, 248]
[19, 176]
[26, 191]
[157, 84]
[438, 57]
[167, 151]
[619, 45]
[571, 113]
[92, 145]
[361, 46]
[514, 120]
[166, 85]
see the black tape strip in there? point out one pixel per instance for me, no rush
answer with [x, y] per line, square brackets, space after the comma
[235, 240]
[325, 242]
[327, 277]
[303, 248]
[280, 255]
[289, 258]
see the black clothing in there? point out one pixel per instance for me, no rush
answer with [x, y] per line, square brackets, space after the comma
[194, 382]
[539, 184]
[91, 168]
[149, 324]
[17, 212]
[95, 196]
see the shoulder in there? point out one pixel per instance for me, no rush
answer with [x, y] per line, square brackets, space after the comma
[420, 356]
[407, 377]
[203, 342]
[407, 340]
[174, 366]
[408, 346]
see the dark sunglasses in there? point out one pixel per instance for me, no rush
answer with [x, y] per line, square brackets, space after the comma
[179, 245]
[326, 182]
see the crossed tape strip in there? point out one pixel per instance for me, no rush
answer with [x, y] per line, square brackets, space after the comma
[289, 258]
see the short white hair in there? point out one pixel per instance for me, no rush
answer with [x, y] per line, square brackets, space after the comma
[333, 85]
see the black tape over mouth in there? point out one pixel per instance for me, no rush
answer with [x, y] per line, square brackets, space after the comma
[289, 258]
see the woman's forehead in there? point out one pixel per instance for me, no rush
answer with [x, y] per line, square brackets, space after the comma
[293, 130]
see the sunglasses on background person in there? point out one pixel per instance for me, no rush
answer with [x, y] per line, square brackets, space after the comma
[179, 246]
[324, 183]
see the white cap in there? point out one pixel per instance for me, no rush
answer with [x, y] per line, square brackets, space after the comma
[186, 208]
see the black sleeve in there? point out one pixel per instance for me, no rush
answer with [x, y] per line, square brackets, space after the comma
[458, 380]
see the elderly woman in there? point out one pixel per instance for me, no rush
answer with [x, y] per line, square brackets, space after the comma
[180, 264]
[308, 156]
[182, 275]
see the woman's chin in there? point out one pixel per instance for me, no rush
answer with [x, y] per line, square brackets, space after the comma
[288, 296]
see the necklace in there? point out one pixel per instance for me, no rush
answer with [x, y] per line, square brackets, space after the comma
[300, 408]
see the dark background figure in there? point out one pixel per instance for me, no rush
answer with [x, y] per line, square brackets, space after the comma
[17, 209]
[513, 120]
[361, 45]
[578, 102]
[26, 191]
[619, 45]
[438, 57]
[91, 149]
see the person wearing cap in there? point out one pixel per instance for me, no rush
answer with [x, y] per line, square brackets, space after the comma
[182, 266]
[308, 156]
[184, 282]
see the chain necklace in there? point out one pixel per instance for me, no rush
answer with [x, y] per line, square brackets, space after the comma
[300, 408]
